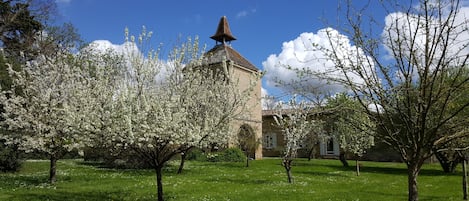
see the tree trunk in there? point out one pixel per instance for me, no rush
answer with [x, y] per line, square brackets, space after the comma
[287, 165]
[183, 159]
[464, 179]
[343, 159]
[159, 182]
[358, 167]
[53, 169]
[311, 153]
[247, 159]
[413, 170]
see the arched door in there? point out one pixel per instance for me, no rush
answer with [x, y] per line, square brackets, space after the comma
[247, 140]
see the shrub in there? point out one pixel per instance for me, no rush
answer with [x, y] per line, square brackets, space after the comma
[196, 155]
[9, 158]
[227, 155]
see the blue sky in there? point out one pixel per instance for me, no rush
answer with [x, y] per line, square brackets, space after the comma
[261, 26]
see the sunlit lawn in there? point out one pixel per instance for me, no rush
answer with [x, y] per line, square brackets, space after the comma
[263, 180]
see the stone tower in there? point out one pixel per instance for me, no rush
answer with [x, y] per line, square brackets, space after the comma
[250, 122]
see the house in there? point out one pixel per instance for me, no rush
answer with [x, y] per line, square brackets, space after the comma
[255, 122]
[258, 123]
[273, 141]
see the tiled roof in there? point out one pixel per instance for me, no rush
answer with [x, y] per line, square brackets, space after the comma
[221, 51]
[273, 112]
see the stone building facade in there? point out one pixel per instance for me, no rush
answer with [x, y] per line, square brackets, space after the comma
[238, 68]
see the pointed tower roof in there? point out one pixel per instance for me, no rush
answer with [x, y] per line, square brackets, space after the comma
[223, 33]
[224, 51]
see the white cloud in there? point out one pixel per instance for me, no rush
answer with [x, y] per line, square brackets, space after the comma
[245, 13]
[408, 29]
[104, 46]
[129, 51]
[264, 92]
[268, 102]
[407, 34]
[302, 54]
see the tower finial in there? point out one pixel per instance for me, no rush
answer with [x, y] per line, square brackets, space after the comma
[223, 33]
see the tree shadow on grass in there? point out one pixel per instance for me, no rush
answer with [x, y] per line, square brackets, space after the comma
[23, 180]
[395, 196]
[403, 195]
[96, 164]
[60, 196]
[127, 171]
[369, 168]
[235, 165]
[240, 181]
[320, 174]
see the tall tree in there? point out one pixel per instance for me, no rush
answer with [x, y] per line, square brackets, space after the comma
[409, 100]
[18, 29]
[27, 30]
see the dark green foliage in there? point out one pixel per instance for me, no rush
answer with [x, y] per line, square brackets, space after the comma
[18, 29]
[63, 38]
[449, 160]
[196, 155]
[227, 155]
[9, 158]
[5, 79]
[233, 155]
[9, 155]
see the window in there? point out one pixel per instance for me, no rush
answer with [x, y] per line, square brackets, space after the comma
[329, 147]
[270, 141]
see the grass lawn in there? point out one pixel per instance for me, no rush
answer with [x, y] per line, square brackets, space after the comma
[263, 180]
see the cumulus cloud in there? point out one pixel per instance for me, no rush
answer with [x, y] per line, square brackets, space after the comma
[303, 55]
[104, 46]
[406, 32]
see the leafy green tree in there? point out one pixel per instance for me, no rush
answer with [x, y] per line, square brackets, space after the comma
[350, 124]
[18, 29]
[448, 154]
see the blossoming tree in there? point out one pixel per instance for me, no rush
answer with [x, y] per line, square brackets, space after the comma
[162, 108]
[294, 119]
[40, 108]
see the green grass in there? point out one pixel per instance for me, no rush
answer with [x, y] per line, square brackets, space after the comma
[263, 180]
